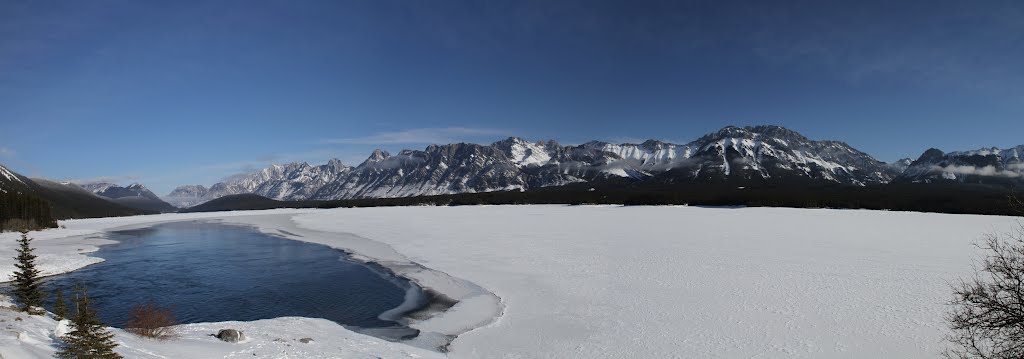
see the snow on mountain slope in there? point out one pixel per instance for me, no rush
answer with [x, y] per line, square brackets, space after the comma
[761, 153]
[901, 165]
[10, 176]
[523, 153]
[294, 181]
[452, 168]
[767, 152]
[11, 181]
[98, 187]
[113, 191]
[187, 196]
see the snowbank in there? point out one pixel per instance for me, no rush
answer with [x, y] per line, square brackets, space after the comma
[34, 337]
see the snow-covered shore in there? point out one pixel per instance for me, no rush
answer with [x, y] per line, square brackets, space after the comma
[33, 337]
[610, 281]
[66, 249]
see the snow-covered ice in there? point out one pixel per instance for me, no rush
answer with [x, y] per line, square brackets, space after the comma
[610, 281]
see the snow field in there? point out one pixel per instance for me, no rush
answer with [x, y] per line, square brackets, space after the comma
[605, 281]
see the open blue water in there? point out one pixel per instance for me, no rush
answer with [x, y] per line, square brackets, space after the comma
[212, 272]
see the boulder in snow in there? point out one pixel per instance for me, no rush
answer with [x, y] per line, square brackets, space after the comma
[230, 335]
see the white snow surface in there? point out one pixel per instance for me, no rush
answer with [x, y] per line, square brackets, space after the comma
[658, 282]
[34, 337]
[10, 176]
[606, 281]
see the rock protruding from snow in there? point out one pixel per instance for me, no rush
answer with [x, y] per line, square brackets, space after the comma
[230, 335]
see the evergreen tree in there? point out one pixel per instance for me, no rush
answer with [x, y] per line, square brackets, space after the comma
[24, 211]
[90, 338]
[60, 309]
[27, 290]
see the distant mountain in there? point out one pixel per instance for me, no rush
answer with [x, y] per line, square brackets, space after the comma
[64, 200]
[901, 165]
[233, 202]
[286, 182]
[134, 196]
[72, 201]
[187, 196]
[761, 154]
[983, 166]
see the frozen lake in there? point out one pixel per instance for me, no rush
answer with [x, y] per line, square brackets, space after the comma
[213, 272]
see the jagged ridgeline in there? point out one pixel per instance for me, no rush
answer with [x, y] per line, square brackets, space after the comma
[756, 155]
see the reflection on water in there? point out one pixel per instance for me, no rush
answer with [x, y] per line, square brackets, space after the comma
[211, 272]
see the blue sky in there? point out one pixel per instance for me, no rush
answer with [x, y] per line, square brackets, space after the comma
[172, 93]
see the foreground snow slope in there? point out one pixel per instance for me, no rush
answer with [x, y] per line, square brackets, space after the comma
[600, 281]
[657, 282]
[33, 337]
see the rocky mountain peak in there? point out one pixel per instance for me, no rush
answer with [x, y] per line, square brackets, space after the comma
[931, 155]
[378, 155]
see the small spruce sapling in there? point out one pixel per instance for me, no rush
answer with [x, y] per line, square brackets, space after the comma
[90, 338]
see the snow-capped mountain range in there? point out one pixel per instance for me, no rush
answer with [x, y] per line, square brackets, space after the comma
[760, 154]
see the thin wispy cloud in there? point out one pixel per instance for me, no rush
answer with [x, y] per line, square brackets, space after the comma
[265, 160]
[978, 171]
[229, 169]
[7, 152]
[419, 136]
[104, 179]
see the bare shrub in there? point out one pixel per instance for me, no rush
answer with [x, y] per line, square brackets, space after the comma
[151, 321]
[987, 311]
